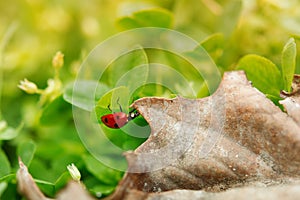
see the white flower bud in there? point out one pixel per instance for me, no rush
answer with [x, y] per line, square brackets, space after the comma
[28, 87]
[74, 172]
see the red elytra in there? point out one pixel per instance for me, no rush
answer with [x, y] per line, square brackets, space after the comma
[118, 119]
[115, 120]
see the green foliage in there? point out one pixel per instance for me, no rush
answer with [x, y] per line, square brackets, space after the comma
[143, 15]
[101, 172]
[266, 76]
[288, 63]
[26, 151]
[40, 128]
[49, 114]
[263, 73]
[79, 97]
[5, 165]
[8, 133]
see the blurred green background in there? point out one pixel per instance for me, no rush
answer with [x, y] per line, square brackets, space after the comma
[227, 29]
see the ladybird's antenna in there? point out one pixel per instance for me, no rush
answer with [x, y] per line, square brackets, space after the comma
[119, 104]
[109, 107]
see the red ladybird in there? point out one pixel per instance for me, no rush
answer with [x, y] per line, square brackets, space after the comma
[118, 119]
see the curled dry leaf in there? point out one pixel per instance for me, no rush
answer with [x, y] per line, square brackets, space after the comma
[28, 188]
[236, 137]
[26, 184]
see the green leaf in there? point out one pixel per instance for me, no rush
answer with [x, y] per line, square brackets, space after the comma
[8, 178]
[26, 151]
[46, 187]
[102, 190]
[134, 78]
[8, 133]
[10, 193]
[206, 68]
[62, 181]
[53, 111]
[4, 164]
[164, 68]
[126, 65]
[288, 62]
[61, 162]
[101, 172]
[264, 74]
[3, 186]
[40, 170]
[214, 45]
[98, 188]
[230, 17]
[152, 17]
[81, 95]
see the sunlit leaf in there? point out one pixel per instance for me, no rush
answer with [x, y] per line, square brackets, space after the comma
[264, 74]
[155, 17]
[288, 62]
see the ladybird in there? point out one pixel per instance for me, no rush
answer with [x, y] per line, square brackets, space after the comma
[118, 119]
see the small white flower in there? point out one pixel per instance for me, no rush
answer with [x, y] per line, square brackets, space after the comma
[28, 87]
[74, 172]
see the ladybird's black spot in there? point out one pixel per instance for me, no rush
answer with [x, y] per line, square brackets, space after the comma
[105, 120]
[118, 117]
[116, 125]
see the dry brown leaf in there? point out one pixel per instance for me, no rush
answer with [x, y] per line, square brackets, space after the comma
[279, 192]
[236, 137]
[74, 191]
[233, 138]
